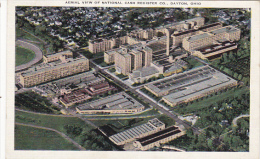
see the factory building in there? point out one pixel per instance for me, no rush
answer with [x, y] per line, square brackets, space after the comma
[160, 137]
[120, 103]
[140, 131]
[190, 85]
[55, 69]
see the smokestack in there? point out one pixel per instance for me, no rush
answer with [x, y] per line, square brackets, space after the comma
[168, 42]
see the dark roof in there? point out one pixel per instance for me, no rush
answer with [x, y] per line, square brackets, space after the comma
[160, 137]
[167, 130]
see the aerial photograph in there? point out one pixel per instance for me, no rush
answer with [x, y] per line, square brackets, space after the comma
[132, 79]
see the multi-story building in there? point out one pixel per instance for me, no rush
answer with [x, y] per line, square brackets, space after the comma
[228, 33]
[197, 41]
[146, 34]
[136, 36]
[183, 25]
[178, 36]
[123, 61]
[129, 58]
[105, 44]
[58, 56]
[53, 70]
[214, 51]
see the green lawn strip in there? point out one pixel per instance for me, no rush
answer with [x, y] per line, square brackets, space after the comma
[145, 114]
[23, 55]
[206, 102]
[120, 125]
[22, 34]
[29, 138]
[50, 121]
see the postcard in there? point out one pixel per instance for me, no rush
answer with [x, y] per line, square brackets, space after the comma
[124, 79]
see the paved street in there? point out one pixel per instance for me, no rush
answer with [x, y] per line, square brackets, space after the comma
[35, 49]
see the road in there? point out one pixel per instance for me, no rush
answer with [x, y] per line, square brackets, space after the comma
[234, 122]
[35, 49]
[60, 133]
[147, 100]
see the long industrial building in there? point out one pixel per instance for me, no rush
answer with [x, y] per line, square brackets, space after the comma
[140, 131]
[158, 138]
[228, 33]
[55, 68]
[190, 85]
[120, 103]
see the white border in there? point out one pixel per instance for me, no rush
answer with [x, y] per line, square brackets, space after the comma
[2, 76]
[254, 111]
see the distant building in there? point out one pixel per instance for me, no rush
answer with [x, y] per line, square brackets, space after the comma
[214, 51]
[178, 36]
[228, 33]
[105, 44]
[54, 67]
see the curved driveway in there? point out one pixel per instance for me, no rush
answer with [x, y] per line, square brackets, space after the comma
[236, 118]
[35, 49]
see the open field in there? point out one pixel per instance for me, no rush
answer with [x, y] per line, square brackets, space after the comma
[23, 55]
[28, 138]
[50, 121]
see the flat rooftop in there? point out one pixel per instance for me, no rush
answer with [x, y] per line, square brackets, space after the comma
[81, 80]
[134, 132]
[185, 83]
[198, 87]
[159, 135]
[145, 71]
[45, 67]
[59, 53]
[199, 36]
[228, 29]
[118, 101]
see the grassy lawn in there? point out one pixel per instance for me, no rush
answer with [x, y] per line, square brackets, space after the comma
[206, 102]
[100, 61]
[192, 63]
[121, 76]
[21, 34]
[145, 114]
[23, 55]
[124, 124]
[29, 138]
[55, 122]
